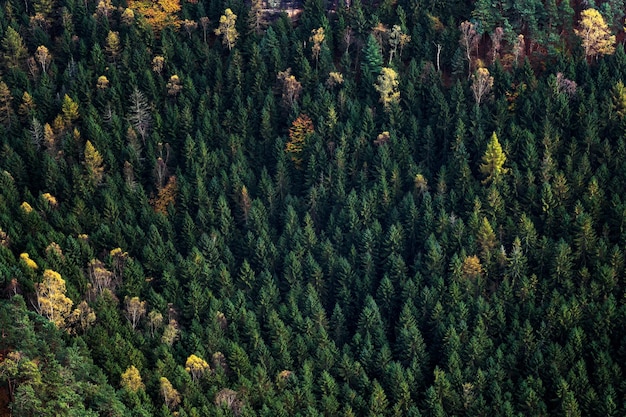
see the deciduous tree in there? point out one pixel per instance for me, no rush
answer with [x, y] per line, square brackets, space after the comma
[317, 38]
[159, 13]
[135, 310]
[227, 29]
[196, 366]
[100, 278]
[387, 86]
[82, 318]
[493, 161]
[94, 164]
[43, 56]
[469, 42]
[299, 131]
[291, 88]
[170, 334]
[169, 393]
[51, 300]
[595, 34]
[131, 379]
[482, 82]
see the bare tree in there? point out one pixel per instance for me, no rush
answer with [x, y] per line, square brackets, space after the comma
[469, 42]
[139, 113]
[496, 42]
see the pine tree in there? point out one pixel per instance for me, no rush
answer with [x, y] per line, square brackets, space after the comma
[6, 109]
[14, 50]
[372, 61]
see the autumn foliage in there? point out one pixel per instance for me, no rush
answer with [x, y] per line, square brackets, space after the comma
[196, 366]
[300, 129]
[131, 379]
[493, 161]
[166, 196]
[595, 34]
[52, 302]
[159, 13]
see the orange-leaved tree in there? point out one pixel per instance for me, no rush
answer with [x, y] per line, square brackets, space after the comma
[159, 13]
[299, 131]
[166, 196]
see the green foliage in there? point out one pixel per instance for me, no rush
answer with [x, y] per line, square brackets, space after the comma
[372, 61]
[410, 265]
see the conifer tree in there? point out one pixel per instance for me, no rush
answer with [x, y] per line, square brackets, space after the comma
[6, 109]
[372, 62]
[301, 128]
[493, 161]
[93, 163]
[14, 49]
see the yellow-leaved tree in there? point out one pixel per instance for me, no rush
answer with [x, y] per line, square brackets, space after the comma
[387, 86]
[196, 366]
[482, 82]
[299, 131]
[227, 29]
[135, 310]
[94, 164]
[159, 13]
[317, 38]
[486, 239]
[471, 267]
[493, 161]
[595, 34]
[131, 379]
[170, 394]
[69, 108]
[51, 299]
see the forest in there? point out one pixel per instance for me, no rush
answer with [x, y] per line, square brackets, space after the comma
[348, 208]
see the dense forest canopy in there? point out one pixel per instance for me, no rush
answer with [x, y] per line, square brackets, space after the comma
[359, 208]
